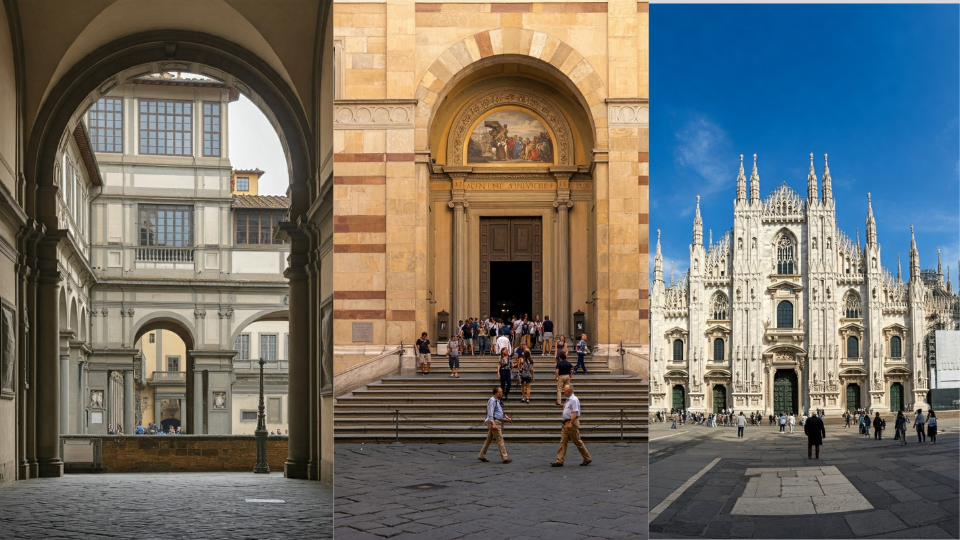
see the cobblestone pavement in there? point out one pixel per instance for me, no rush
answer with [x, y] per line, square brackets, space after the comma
[911, 491]
[441, 491]
[166, 505]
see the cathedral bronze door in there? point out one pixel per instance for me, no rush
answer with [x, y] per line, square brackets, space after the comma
[785, 391]
[511, 267]
[719, 398]
[896, 397]
[853, 397]
[678, 398]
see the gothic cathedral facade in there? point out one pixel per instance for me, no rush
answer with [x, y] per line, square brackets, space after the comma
[786, 313]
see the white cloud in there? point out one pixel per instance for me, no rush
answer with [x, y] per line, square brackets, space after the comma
[254, 143]
[701, 149]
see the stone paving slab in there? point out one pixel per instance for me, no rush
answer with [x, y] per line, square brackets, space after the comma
[166, 505]
[442, 491]
[860, 488]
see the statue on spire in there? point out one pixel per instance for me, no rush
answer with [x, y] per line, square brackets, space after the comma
[741, 183]
[871, 224]
[914, 257]
[698, 226]
[754, 182]
[811, 182]
[827, 183]
[658, 261]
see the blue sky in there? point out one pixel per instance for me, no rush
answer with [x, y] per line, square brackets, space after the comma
[876, 87]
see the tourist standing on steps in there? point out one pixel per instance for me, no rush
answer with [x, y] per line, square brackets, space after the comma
[494, 423]
[525, 367]
[562, 375]
[932, 426]
[482, 337]
[919, 422]
[561, 347]
[570, 432]
[423, 353]
[581, 350]
[453, 352]
[502, 344]
[878, 425]
[547, 336]
[815, 434]
[503, 371]
[467, 334]
[741, 423]
[900, 426]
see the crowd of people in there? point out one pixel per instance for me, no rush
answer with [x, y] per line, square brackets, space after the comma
[925, 425]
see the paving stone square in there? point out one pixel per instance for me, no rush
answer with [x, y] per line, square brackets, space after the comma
[441, 491]
[147, 506]
[859, 488]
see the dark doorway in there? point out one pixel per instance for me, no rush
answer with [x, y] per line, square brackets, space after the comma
[679, 401]
[853, 397]
[896, 397]
[785, 391]
[511, 269]
[511, 289]
[719, 398]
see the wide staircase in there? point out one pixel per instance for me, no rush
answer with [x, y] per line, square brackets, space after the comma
[438, 408]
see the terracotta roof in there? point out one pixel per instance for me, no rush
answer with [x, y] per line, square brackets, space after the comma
[260, 201]
[82, 138]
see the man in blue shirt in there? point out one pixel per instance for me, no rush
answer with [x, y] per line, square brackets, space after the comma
[494, 422]
[581, 350]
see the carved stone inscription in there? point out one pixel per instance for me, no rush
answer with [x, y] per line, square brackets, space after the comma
[363, 332]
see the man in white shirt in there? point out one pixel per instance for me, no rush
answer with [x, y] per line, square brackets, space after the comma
[919, 421]
[494, 421]
[570, 432]
[503, 342]
[741, 423]
[791, 420]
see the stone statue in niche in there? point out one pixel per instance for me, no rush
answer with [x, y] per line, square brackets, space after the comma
[219, 400]
[739, 244]
[96, 399]
[8, 343]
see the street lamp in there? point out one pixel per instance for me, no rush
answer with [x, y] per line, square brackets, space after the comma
[262, 467]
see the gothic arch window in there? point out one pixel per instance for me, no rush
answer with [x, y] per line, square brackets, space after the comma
[786, 248]
[852, 306]
[720, 306]
[896, 347]
[853, 347]
[718, 349]
[785, 314]
[678, 349]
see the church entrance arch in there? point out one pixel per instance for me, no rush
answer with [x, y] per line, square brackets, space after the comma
[511, 267]
[785, 391]
[679, 398]
[896, 397]
[719, 398]
[853, 396]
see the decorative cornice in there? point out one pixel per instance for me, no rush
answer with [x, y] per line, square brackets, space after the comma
[628, 112]
[373, 113]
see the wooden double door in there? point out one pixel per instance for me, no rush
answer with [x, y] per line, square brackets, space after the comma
[511, 266]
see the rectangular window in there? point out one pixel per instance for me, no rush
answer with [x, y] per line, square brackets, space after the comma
[248, 416]
[273, 411]
[173, 363]
[166, 127]
[268, 347]
[153, 338]
[211, 129]
[243, 347]
[166, 225]
[243, 183]
[258, 227]
[105, 120]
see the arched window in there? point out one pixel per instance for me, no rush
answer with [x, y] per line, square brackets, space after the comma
[678, 349]
[718, 349]
[785, 315]
[853, 347]
[895, 347]
[851, 305]
[720, 304]
[786, 254]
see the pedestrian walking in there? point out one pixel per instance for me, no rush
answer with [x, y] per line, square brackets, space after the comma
[483, 330]
[561, 347]
[582, 349]
[467, 333]
[494, 423]
[846, 419]
[570, 432]
[919, 421]
[547, 336]
[423, 353]
[900, 426]
[932, 426]
[525, 367]
[878, 425]
[503, 344]
[561, 374]
[503, 371]
[453, 353]
[741, 423]
[783, 422]
[815, 434]
[866, 425]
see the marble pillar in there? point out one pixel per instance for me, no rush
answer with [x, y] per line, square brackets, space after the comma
[298, 398]
[64, 392]
[458, 281]
[565, 321]
[129, 406]
[198, 407]
[48, 385]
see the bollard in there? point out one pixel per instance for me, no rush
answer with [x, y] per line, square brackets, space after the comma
[396, 418]
[621, 443]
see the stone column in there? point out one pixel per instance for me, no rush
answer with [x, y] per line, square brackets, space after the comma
[81, 398]
[64, 391]
[158, 412]
[563, 268]
[129, 407]
[458, 279]
[198, 407]
[298, 394]
[182, 406]
[48, 369]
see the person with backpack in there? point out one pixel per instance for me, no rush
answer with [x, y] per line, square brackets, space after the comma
[503, 371]
[932, 426]
[582, 349]
[878, 425]
[525, 367]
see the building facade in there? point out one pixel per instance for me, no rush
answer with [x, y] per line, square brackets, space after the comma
[787, 313]
[491, 160]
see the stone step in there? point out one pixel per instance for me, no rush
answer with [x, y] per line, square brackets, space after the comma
[478, 438]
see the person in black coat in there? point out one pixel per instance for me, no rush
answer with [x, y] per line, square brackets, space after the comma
[813, 428]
